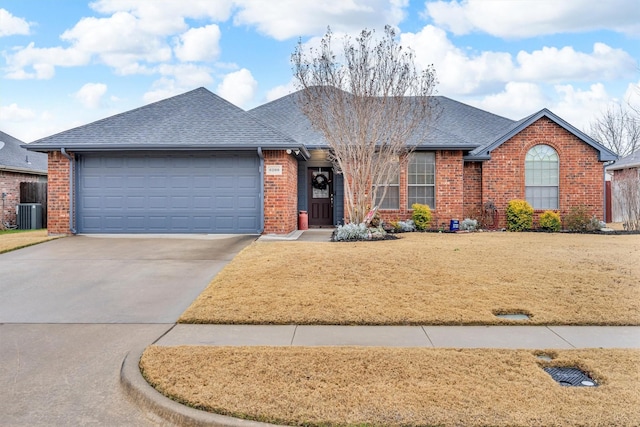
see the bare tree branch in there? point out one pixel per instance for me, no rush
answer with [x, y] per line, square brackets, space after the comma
[372, 106]
[618, 128]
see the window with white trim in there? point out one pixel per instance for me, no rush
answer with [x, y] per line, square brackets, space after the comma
[421, 179]
[542, 177]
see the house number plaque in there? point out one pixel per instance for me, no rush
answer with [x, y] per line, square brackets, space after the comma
[274, 169]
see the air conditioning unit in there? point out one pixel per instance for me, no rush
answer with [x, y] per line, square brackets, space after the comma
[29, 216]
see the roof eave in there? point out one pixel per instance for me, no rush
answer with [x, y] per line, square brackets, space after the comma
[23, 170]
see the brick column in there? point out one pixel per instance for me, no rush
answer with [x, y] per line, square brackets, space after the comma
[58, 194]
[280, 193]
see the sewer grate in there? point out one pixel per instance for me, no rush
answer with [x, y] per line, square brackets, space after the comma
[571, 377]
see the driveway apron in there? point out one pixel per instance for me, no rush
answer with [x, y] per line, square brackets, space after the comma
[71, 309]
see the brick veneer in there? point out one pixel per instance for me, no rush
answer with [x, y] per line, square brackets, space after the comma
[449, 191]
[581, 174]
[58, 194]
[10, 185]
[280, 194]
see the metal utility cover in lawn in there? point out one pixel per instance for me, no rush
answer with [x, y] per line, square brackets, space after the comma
[571, 377]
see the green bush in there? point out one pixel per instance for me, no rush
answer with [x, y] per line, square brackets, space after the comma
[550, 221]
[519, 215]
[578, 219]
[421, 216]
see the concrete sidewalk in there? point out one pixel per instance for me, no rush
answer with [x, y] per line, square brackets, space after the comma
[509, 337]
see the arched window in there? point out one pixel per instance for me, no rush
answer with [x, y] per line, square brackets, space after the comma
[541, 177]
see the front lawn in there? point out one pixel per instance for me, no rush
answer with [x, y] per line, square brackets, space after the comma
[432, 279]
[16, 239]
[338, 386]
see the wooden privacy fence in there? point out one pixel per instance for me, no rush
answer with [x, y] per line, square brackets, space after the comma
[35, 192]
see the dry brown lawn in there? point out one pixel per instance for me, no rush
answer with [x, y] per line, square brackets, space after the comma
[340, 386]
[430, 278]
[16, 240]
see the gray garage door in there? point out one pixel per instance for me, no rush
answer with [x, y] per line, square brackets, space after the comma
[168, 193]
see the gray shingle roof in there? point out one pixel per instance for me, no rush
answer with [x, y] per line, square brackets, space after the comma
[630, 161]
[193, 120]
[15, 158]
[457, 124]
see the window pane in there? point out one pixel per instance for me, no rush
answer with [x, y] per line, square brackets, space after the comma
[391, 199]
[542, 177]
[421, 179]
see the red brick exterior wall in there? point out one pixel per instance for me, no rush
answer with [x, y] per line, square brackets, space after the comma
[449, 191]
[10, 185]
[581, 174]
[58, 194]
[280, 194]
[472, 189]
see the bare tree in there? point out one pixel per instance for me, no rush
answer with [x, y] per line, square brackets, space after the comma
[618, 128]
[372, 106]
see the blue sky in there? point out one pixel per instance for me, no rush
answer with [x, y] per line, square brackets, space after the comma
[65, 63]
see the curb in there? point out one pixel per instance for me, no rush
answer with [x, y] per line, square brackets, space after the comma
[150, 400]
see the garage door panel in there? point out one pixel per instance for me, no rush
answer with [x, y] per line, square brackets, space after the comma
[169, 193]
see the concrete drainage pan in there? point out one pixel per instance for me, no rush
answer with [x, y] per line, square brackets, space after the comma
[571, 377]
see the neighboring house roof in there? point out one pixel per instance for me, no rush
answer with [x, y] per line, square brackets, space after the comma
[484, 152]
[456, 126]
[14, 158]
[627, 162]
[194, 120]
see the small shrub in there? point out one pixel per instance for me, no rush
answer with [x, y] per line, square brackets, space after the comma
[550, 221]
[421, 216]
[352, 231]
[519, 215]
[577, 219]
[406, 226]
[469, 224]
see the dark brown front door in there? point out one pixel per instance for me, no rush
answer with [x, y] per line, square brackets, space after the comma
[320, 182]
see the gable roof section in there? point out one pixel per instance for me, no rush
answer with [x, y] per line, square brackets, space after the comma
[457, 126]
[14, 158]
[627, 162]
[194, 120]
[484, 152]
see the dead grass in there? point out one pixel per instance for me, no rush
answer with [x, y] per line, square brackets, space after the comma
[340, 386]
[430, 278]
[10, 241]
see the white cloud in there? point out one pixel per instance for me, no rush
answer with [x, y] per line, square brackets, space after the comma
[119, 40]
[528, 18]
[462, 72]
[177, 79]
[163, 17]
[294, 18]
[578, 106]
[281, 90]
[90, 95]
[12, 25]
[238, 87]
[516, 101]
[199, 44]
[13, 113]
[553, 64]
[575, 105]
[42, 61]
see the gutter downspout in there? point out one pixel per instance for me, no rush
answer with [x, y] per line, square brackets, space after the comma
[261, 189]
[604, 184]
[71, 167]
